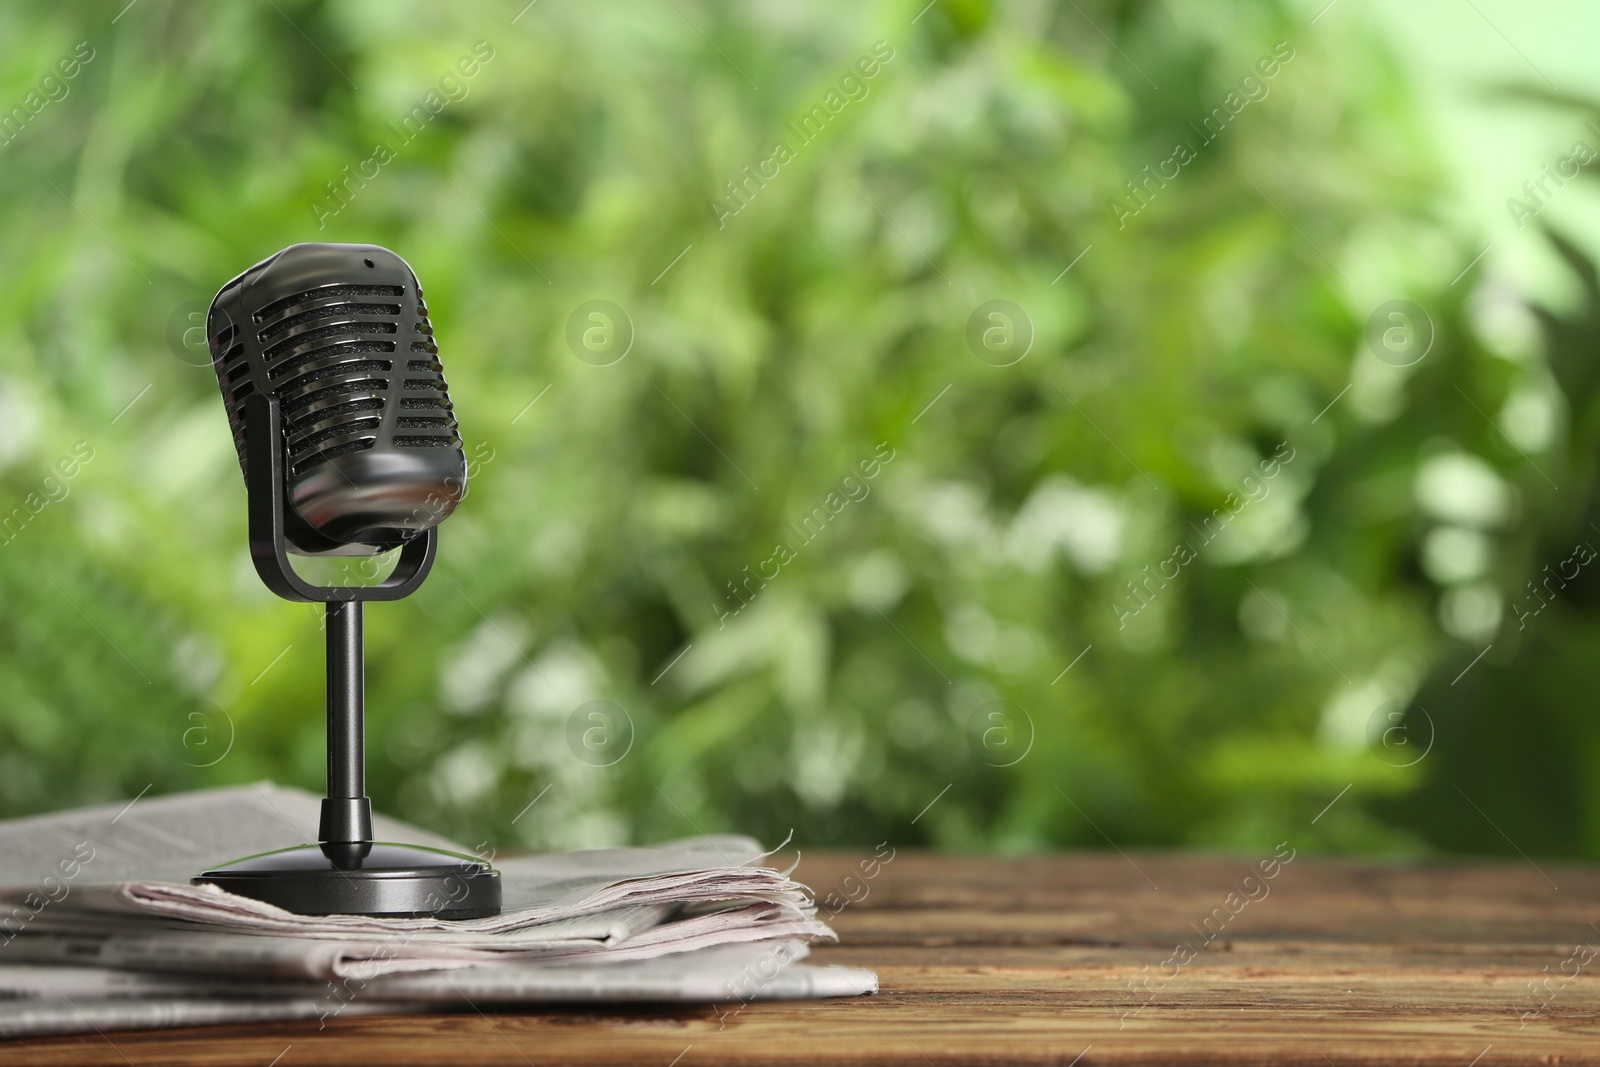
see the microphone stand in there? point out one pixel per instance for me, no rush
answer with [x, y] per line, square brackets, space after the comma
[346, 812]
[346, 872]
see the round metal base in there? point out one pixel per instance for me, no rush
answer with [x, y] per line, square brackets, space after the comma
[368, 878]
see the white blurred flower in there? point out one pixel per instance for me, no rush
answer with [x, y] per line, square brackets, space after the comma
[1530, 416]
[1501, 318]
[1460, 488]
[466, 774]
[881, 578]
[1471, 612]
[1347, 717]
[1266, 529]
[19, 420]
[564, 676]
[953, 512]
[1452, 554]
[824, 759]
[1085, 525]
[971, 633]
[471, 671]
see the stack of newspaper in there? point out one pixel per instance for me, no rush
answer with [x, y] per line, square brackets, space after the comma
[100, 928]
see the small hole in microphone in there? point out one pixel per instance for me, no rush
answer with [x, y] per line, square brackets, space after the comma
[368, 262]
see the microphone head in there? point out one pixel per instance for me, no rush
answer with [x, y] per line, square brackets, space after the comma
[339, 336]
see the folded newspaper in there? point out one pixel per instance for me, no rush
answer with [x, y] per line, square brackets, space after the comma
[100, 928]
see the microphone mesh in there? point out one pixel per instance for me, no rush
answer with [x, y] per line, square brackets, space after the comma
[330, 355]
[338, 335]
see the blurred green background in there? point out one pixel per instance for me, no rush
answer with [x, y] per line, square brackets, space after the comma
[1257, 510]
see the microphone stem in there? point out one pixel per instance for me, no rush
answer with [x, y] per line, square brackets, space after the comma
[346, 812]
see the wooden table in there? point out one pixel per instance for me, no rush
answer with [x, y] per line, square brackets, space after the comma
[1067, 959]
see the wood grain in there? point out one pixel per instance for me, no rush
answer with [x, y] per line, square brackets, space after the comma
[1063, 959]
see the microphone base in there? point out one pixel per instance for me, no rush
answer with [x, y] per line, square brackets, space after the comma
[364, 878]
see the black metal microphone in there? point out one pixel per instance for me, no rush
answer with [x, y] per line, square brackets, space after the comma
[348, 445]
[338, 335]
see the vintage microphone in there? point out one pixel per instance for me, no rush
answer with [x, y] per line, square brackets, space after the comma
[349, 447]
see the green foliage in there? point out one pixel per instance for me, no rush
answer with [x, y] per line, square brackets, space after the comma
[1190, 368]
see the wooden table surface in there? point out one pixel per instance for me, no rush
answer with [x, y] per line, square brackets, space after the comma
[1068, 959]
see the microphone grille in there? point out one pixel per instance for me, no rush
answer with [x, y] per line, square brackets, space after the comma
[333, 356]
[339, 335]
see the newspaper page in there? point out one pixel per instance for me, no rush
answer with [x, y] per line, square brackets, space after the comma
[42, 1000]
[99, 927]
